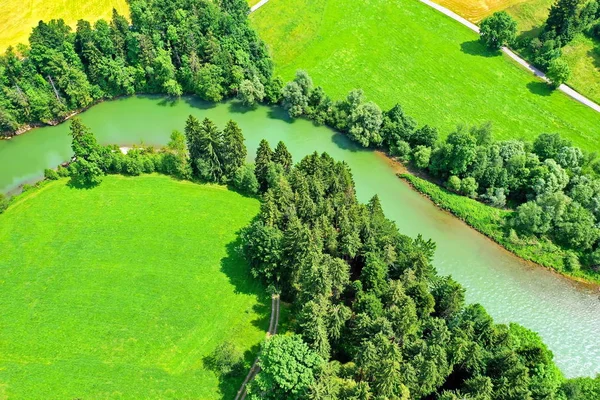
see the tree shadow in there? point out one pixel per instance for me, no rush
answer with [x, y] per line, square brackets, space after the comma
[78, 184]
[240, 108]
[196, 102]
[237, 271]
[345, 143]
[539, 88]
[530, 34]
[476, 48]
[276, 112]
[594, 54]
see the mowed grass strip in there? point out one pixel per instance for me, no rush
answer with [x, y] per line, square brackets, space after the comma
[120, 291]
[18, 17]
[403, 51]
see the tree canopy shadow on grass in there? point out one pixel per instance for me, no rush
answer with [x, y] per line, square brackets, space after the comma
[539, 88]
[79, 184]
[594, 54]
[236, 269]
[476, 48]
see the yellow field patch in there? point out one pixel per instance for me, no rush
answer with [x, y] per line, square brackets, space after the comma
[476, 10]
[17, 17]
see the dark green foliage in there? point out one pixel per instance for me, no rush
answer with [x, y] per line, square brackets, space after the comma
[245, 181]
[498, 30]
[368, 300]
[282, 156]
[558, 72]
[51, 174]
[4, 201]
[264, 157]
[225, 359]
[288, 369]
[214, 156]
[88, 161]
[171, 47]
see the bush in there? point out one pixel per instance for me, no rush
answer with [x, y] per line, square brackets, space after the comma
[51, 174]
[468, 187]
[401, 150]
[421, 156]
[62, 172]
[571, 262]
[245, 180]
[454, 184]
[3, 203]
[225, 359]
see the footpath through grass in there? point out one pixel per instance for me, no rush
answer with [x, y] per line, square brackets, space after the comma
[18, 17]
[492, 222]
[122, 290]
[403, 51]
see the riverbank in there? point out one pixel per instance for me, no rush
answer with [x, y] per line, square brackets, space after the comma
[492, 222]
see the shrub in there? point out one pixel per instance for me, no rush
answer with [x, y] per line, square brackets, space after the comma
[454, 183]
[421, 156]
[225, 359]
[571, 262]
[3, 203]
[62, 172]
[401, 150]
[468, 187]
[51, 174]
[245, 180]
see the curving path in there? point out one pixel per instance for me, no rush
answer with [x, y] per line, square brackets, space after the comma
[563, 88]
[255, 369]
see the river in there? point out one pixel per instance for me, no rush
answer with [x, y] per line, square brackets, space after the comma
[565, 313]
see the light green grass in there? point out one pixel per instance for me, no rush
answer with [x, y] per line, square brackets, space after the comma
[582, 54]
[18, 17]
[120, 291]
[404, 51]
[492, 222]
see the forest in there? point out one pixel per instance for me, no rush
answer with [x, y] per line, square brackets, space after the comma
[177, 47]
[371, 316]
[552, 185]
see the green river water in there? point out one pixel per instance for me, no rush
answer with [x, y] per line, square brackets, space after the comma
[565, 313]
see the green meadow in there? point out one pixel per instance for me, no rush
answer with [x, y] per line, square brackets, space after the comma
[402, 51]
[122, 290]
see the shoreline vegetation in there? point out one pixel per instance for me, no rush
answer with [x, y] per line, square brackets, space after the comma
[486, 220]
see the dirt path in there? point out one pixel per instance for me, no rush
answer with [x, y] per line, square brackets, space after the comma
[563, 88]
[255, 369]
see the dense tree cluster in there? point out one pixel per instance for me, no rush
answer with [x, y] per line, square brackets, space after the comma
[566, 19]
[373, 319]
[174, 47]
[553, 185]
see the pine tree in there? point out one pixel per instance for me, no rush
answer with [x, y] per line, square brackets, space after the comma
[192, 137]
[234, 149]
[264, 156]
[210, 162]
[87, 160]
[282, 156]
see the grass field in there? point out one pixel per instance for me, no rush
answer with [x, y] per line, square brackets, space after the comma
[120, 291]
[403, 51]
[18, 17]
[476, 10]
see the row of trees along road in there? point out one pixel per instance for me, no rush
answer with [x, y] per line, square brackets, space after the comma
[566, 19]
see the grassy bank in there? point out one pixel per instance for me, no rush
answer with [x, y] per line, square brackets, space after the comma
[403, 51]
[122, 290]
[492, 222]
[17, 18]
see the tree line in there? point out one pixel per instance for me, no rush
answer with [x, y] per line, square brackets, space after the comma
[566, 19]
[200, 47]
[372, 319]
[552, 184]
